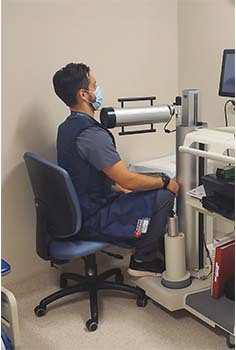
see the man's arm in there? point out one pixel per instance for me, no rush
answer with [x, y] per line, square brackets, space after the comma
[134, 181]
[96, 146]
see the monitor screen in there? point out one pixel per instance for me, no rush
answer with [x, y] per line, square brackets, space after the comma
[227, 78]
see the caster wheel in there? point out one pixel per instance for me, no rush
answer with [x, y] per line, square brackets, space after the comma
[230, 341]
[119, 278]
[40, 311]
[63, 283]
[91, 325]
[142, 301]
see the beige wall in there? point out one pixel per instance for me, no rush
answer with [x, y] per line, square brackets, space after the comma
[206, 27]
[131, 47]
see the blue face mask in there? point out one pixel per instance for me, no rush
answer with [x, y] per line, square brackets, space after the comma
[99, 98]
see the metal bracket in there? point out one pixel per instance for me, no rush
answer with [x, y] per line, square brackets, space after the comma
[122, 100]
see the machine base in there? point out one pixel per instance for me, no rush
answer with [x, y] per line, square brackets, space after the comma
[183, 283]
[171, 299]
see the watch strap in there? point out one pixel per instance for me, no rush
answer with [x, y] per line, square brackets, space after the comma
[166, 180]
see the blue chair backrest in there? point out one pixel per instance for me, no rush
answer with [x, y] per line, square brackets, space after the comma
[57, 205]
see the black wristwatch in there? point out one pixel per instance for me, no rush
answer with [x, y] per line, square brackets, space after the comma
[166, 180]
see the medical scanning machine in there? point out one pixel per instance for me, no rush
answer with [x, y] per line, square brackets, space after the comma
[186, 283]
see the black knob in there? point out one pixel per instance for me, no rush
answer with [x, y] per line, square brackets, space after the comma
[178, 101]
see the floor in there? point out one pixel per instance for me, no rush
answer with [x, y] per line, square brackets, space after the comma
[122, 324]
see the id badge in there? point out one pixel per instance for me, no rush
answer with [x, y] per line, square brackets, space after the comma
[141, 227]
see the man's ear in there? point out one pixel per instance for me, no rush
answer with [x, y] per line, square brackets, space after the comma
[81, 95]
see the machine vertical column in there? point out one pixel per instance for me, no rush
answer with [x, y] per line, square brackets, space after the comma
[187, 177]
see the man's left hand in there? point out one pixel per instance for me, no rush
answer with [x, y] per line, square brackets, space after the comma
[118, 188]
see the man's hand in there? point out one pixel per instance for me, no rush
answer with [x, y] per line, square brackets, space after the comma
[118, 188]
[173, 187]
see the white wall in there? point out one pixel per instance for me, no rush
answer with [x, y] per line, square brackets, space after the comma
[131, 47]
[206, 28]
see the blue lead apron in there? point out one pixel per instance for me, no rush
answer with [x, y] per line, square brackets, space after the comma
[118, 220]
[107, 215]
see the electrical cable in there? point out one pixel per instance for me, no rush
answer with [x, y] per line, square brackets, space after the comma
[225, 110]
[209, 257]
[226, 116]
[204, 277]
[168, 121]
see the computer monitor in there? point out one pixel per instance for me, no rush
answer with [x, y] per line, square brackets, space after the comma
[227, 77]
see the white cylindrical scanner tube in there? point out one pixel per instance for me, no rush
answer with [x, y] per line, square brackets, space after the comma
[145, 115]
[113, 117]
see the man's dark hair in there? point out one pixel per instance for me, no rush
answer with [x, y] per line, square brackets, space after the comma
[68, 80]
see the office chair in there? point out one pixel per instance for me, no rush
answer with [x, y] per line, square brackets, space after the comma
[59, 219]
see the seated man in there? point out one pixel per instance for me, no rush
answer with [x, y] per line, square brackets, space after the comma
[118, 206]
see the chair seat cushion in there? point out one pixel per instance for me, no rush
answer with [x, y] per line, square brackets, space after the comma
[60, 249]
